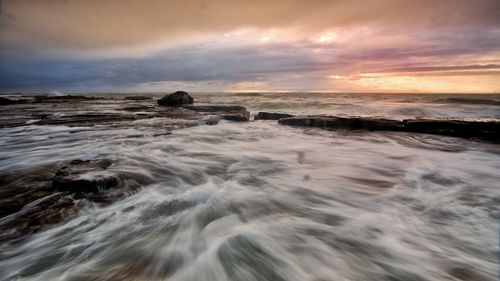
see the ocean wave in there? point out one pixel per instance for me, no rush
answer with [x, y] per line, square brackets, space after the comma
[470, 100]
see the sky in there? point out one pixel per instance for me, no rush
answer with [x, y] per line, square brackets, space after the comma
[445, 46]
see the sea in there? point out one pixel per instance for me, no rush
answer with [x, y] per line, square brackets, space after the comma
[259, 201]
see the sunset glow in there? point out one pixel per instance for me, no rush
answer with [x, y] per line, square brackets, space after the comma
[55, 46]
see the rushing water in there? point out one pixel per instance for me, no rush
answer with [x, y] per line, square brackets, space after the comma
[260, 201]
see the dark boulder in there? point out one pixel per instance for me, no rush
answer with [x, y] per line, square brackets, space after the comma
[271, 116]
[5, 101]
[176, 99]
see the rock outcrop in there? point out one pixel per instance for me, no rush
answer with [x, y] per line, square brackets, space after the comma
[176, 99]
[63, 99]
[37, 197]
[486, 130]
[7, 101]
[227, 112]
[271, 116]
[351, 123]
[87, 176]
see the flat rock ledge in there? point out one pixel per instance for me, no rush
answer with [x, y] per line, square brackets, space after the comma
[271, 116]
[35, 198]
[226, 112]
[484, 130]
[126, 112]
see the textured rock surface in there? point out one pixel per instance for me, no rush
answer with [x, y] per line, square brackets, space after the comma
[271, 116]
[176, 99]
[227, 112]
[87, 176]
[83, 111]
[7, 101]
[457, 128]
[37, 197]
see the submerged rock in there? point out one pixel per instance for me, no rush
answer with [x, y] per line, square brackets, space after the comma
[49, 210]
[176, 99]
[212, 120]
[487, 130]
[19, 188]
[271, 116]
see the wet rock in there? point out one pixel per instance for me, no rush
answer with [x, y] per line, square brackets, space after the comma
[66, 98]
[80, 111]
[456, 128]
[271, 116]
[486, 130]
[227, 112]
[32, 198]
[86, 176]
[212, 120]
[137, 108]
[176, 99]
[239, 117]
[137, 98]
[6, 101]
[62, 99]
[87, 119]
[353, 123]
[216, 108]
[21, 187]
[49, 210]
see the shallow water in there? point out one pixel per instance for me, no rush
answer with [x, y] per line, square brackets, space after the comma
[260, 201]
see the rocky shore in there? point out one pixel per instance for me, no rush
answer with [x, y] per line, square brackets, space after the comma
[35, 198]
[32, 199]
[488, 131]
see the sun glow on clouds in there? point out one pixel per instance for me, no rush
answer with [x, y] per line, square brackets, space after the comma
[326, 37]
[417, 83]
[257, 36]
[251, 46]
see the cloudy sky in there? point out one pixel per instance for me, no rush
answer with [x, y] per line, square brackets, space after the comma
[250, 45]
